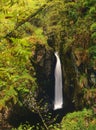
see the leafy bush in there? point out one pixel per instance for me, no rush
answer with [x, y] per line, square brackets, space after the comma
[79, 120]
[92, 11]
[15, 70]
[92, 52]
[93, 27]
[93, 36]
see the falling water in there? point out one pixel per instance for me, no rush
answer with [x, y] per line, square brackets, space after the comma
[58, 102]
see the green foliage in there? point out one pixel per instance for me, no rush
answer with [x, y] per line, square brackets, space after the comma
[68, 23]
[86, 97]
[93, 27]
[92, 11]
[89, 97]
[78, 120]
[17, 75]
[93, 36]
[13, 12]
[24, 127]
[92, 52]
[15, 69]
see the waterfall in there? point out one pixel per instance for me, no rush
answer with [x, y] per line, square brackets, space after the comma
[58, 101]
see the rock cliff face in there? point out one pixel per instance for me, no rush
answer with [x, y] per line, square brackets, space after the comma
[70, 79]
[44, 64]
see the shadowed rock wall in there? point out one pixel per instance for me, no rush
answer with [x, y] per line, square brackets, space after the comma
[44, 64]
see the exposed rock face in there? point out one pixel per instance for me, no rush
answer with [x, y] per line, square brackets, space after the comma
[70, 79]
[44, 64]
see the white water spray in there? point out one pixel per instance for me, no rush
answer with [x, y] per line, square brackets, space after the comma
[58, 102]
